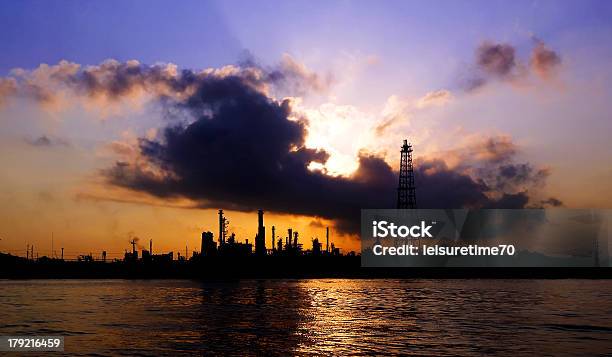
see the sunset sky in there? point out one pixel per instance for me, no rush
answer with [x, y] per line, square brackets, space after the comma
[123, 119]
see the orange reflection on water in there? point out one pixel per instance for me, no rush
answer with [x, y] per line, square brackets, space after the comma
[330, 316]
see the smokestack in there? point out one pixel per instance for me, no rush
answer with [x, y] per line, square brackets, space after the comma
[273, 237]
[327, 239]
[151, 246]
[289, 236]
[260, 240]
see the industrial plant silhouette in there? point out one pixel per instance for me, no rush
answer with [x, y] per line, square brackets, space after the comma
[278, 256]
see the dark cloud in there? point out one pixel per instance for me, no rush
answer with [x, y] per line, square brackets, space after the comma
[510, 200]
[499, 62]
[514, 176]
[496, 149]
[441, 187]
[242, 151]
[551, 202]
[496, 59]
[493, 161]
[473, 83]
[41, 141]
[544, 61]
[45, 141]
[493, 61]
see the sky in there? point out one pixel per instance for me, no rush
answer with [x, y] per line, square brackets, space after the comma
[122, 119]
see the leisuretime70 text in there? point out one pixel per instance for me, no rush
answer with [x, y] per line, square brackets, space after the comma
[469, 250]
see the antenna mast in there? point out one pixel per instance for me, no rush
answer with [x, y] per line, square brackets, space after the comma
[406, 197]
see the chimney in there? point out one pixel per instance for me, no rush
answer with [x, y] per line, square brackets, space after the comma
[327, 239]
[260, 214]
[221, 223]
[260, 238]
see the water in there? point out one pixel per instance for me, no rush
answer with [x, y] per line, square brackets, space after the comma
[331, 317]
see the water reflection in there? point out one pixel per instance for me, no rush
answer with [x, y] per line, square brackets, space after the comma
[256, 316]
[441, 317]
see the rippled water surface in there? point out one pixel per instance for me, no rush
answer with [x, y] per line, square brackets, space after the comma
[334, 317]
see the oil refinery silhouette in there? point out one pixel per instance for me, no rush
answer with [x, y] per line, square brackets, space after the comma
[225, 257]
[278, 256]
[221, 258]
